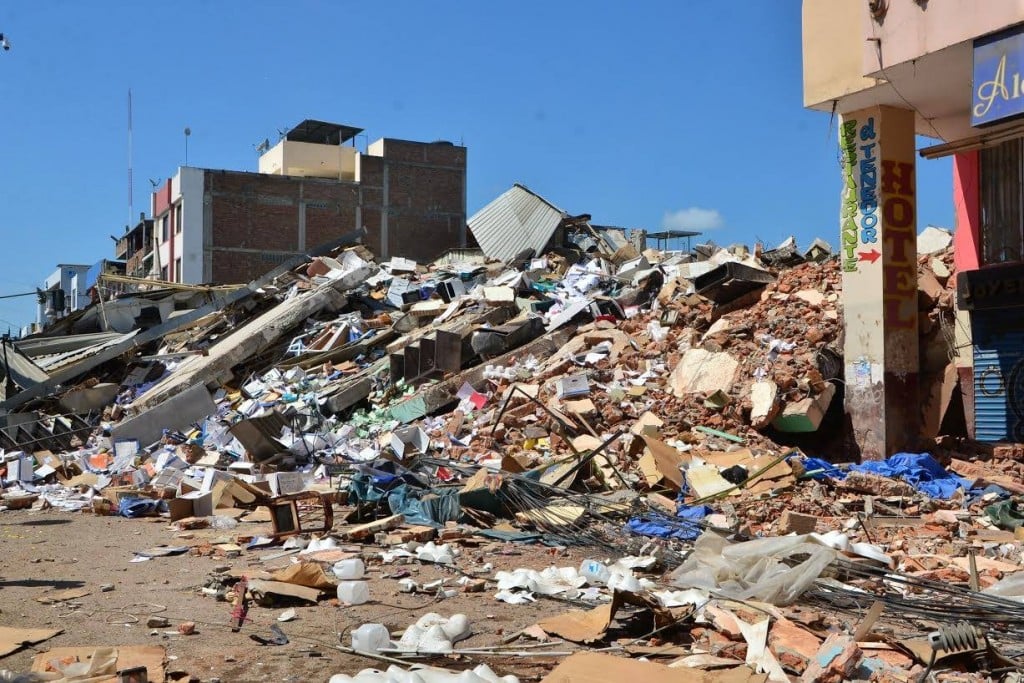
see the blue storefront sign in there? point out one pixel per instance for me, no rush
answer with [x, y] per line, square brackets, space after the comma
[998, 90]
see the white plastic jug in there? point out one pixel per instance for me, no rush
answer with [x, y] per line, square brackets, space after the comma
[350, 569]
[353, 592]
[371, 638]
[594, 571]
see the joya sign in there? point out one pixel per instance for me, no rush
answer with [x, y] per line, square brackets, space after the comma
[998, 92]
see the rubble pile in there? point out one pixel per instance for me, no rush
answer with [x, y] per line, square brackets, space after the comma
[641, 407]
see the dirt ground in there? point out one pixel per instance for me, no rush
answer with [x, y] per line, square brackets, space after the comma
[46, 551]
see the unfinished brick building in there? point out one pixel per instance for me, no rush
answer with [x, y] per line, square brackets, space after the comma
[221, 226]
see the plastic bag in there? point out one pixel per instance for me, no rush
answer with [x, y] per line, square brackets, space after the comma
[1010, 587]
[754, 570]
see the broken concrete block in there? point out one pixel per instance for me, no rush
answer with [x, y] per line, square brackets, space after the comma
[703, 372]
[499, 295]
[933, 240]
[805, 415]
[796, 523]
[940, 269]
[723, 324]
[811, 296]
[928, 290]
[764, 401]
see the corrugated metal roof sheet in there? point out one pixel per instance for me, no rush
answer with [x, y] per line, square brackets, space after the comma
[518, 219]
[24, 372]
[43, 346]
[53, 362]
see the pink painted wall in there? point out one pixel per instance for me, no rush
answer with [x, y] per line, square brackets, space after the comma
[911, 30]
[967, 214]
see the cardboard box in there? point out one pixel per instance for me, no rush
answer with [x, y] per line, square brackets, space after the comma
[407, 440]
[285, 483]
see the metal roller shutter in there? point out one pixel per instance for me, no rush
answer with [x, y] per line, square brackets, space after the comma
[998, 375]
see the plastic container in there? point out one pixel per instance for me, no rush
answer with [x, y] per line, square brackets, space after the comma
[371, 638]
[350, 569]
[353, 592]
[595, 572]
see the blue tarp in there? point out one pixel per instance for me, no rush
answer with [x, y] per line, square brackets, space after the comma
[921, 471]
[827, 469]
[682, 527]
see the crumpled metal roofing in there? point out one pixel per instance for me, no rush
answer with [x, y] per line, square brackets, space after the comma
[24, 372]
[517, 220]
[53, 362]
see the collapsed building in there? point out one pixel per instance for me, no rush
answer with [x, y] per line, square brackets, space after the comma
[671, 407]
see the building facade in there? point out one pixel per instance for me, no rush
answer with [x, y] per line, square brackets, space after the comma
[61, 294]
[896, 71]
[223, 226]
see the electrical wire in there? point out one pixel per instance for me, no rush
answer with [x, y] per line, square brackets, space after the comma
[881, 67]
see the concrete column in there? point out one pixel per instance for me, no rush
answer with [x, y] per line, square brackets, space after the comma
[878, 238]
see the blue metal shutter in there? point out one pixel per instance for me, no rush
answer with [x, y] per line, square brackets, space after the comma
[998, 338]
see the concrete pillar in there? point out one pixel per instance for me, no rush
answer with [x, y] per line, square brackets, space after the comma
[878, 238]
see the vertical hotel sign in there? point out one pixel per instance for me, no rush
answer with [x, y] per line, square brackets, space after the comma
[859, 215]
[998, 85]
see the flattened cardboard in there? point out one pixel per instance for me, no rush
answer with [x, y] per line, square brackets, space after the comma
[13, 639]
[589, 626]
[667, 459]
[309, 574]
[54, 596]
[596, 667]
[288, 590]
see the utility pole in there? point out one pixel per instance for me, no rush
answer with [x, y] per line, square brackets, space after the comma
[9, 389]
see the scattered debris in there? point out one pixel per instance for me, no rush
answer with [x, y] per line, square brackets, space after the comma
[341, 425]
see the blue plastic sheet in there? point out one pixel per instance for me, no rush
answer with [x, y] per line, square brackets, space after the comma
[921, 471]
[827, 469]
[682, 527]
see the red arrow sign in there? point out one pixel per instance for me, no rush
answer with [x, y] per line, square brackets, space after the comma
[871, 256]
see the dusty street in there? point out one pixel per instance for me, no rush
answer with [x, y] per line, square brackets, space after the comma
[46, 552]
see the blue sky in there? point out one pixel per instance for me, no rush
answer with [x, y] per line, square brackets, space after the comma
[659, 114]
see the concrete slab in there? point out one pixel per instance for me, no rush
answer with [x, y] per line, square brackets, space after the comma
[764, 401]
[811, 296]
[703, 372]
[177, 412]
[932, 240]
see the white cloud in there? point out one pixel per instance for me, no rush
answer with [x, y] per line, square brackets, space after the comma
[692, 218]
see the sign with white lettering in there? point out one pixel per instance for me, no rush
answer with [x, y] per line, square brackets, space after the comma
[997, 91]
[1000, 288]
